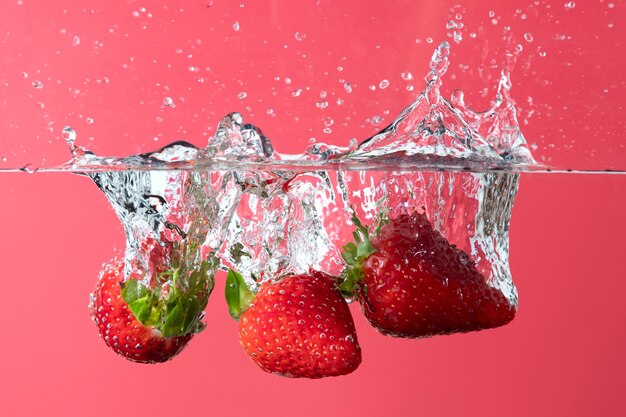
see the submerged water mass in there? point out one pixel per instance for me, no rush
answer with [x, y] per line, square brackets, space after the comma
[441, 178]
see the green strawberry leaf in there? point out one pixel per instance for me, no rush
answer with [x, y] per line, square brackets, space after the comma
[238, 295]
[178, 312]
[142, 302]
[355, 253]
[349, 253]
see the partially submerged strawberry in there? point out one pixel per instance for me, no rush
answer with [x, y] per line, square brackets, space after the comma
[298, 326]
[152, 323]
[411, 282]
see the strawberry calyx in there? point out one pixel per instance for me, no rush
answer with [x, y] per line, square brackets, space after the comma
[238, 295]
[354, 254]
[174, 300]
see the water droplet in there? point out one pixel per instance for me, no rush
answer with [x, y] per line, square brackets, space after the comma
[570, 5]
[70, 136]
[528, 37]
[4, 159]
[159, 119]
[76, 41]
[287, 80]
[376, 120]
[406, 76]
[429, 40]
[472, 35]
[451, 24]
[322, 104]
[383, 84]
[492, 13]
[347, 87]
[89, 120]
[542, 54]
[327, 130]
[297, 92]
[323, 94]
[299, 36]
[409, 88]
[236, 26]
[37, 84]
[372, 87]
[270, 112]
[328, 121]
[242, 95]
[168, 102]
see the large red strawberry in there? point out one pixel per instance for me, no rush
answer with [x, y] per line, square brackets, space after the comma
[298, 326]
[413, 283]
[151, 322]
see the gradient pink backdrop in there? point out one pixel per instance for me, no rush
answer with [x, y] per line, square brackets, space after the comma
[564, 353]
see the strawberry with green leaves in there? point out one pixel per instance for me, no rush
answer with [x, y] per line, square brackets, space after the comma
[152, 320]
[411, 282]
[298, 326]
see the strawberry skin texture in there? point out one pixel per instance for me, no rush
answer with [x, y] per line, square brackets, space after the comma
[119, 328]
[417, 284]
[300, 326]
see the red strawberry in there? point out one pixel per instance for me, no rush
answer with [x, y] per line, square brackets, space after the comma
[413, 283]
[299, 326]
[119, 328]
[152, 322]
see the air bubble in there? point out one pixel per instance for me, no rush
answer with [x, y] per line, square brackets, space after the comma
[570, 5]
[168, 102]
[236, 26]
[347, 87]
[528, 37]
[406, 76]
[242, 95]
[76, 41]
[383, 84]
[38, 84]
[376, 120]
[299, 36]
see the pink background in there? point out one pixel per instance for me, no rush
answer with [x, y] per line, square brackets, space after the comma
[562, 355]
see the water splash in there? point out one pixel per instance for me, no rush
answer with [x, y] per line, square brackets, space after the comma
[268, 214]
[431, 133]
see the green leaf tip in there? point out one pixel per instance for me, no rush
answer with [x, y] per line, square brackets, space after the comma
[238, 295]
